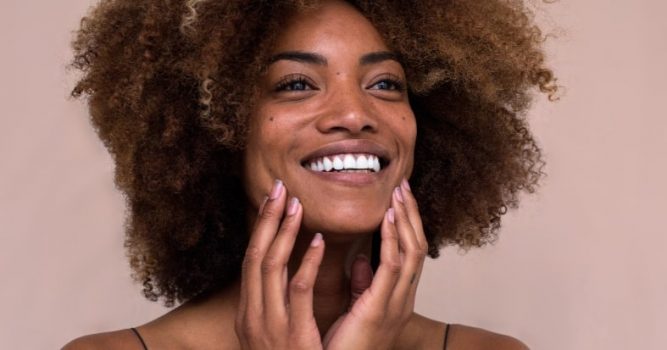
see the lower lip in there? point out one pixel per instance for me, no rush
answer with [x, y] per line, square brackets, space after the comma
[352, 179]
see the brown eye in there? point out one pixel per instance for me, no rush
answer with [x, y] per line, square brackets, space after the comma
[388, 82]
[294, 83]
[388, 85]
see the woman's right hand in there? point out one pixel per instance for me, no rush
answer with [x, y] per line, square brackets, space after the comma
[264, 319]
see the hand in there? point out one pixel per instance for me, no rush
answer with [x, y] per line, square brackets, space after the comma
[379, 314]
[264, 319]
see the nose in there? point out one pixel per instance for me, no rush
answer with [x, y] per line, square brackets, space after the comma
[349, 112]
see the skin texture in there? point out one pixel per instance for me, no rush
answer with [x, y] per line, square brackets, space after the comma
[171, 86]
[341, 100]
[334, 301]
[338, 101]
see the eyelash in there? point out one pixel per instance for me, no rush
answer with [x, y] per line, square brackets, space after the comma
[288, 81]
[397, 84]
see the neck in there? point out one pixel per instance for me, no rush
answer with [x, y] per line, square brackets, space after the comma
[331, 293]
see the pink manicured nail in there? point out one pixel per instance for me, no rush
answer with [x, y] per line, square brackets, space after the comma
[390, 215]
[317, 240]
[406, 184]
[293, 205]
[277, 189]
[399, 195]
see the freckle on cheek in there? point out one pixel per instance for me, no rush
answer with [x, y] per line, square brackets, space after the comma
[271, 119]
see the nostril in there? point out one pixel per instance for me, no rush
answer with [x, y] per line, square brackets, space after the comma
[367, 128]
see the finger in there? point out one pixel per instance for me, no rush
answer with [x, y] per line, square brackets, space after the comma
[411, 252]
[413, 214]
[360, 279]
[416, 221]
[261, 238]
[275, 262]
[390, 262]
[301, 286]
[260, 210]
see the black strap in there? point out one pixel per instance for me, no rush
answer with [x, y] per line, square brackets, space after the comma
[446, 335]
[136, 332]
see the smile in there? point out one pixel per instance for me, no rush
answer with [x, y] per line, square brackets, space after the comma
[367, 163]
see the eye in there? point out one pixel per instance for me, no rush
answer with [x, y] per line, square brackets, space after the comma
[294, 83]
[388, 83]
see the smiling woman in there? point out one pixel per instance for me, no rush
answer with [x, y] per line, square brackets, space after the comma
[265, 150]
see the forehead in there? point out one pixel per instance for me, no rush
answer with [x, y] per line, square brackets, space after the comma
[333, 27]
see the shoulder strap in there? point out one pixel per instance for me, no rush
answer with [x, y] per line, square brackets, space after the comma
[136, 332]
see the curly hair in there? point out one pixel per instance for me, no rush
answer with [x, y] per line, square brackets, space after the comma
[162, 80]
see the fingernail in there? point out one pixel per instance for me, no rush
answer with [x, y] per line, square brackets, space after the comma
[277, 189]
[390, 215]
[261, 206]
[317, 240]
[398, 193]
[406, 184]
[293, 205]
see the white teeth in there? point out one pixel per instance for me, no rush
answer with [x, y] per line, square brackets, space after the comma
[362, 162]
[349, 162]
[337, 163]
[327, 164]
[342, 162]
[376, 164]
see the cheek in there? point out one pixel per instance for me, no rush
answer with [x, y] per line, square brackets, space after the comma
[410, 128]
[257, 179]
[407, 135]
[264, 156]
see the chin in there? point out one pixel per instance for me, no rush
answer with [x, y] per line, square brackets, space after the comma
[343, 225]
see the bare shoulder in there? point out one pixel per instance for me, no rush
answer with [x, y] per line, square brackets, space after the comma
[424, 333]
[122, 339]
[462, 337]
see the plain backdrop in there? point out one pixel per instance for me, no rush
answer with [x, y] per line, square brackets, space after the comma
[579, 266]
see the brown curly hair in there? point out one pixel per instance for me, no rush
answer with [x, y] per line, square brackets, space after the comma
[169, 85]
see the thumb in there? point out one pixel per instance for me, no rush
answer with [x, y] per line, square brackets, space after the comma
[362, 276]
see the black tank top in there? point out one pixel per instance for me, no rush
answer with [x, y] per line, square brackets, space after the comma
[136, 332]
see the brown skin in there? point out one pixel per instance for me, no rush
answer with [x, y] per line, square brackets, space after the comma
[179, 141]
[171, 85]
[341, 100]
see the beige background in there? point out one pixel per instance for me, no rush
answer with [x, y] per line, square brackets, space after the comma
[579, 266]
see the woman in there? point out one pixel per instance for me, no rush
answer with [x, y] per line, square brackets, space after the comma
[263, 145]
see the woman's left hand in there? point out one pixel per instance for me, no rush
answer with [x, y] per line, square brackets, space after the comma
[378, 313]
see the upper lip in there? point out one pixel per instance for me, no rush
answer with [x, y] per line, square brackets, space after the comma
[349, 146]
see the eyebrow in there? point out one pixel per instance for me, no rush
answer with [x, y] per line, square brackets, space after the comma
[377, 57]
[299, 56]
[314, 58]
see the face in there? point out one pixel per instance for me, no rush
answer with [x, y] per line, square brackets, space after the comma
[332, 121]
